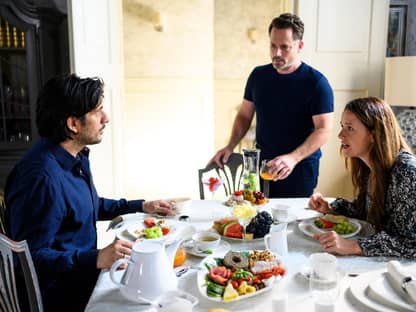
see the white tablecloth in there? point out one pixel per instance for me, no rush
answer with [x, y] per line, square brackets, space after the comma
[107, 297]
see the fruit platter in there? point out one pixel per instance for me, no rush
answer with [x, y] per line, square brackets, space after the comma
[150, 228]
[239, 275]
[231, 228]
[246, 196]
[342, 225]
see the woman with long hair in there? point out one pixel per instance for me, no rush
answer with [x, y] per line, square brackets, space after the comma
[383, 170]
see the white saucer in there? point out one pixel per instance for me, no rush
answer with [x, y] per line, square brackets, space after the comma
[222, 248]
[306, 272]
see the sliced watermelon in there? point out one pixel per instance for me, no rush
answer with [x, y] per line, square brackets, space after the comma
[234, 230]
[221, 223]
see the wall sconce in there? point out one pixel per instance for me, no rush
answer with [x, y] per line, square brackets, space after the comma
[252, 34]
[159, 21]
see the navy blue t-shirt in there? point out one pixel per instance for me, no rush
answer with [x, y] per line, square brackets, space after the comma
[285, 104]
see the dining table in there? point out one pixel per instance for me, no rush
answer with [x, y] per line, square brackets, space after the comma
[293, 288]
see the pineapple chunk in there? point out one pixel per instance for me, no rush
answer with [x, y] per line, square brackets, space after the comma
[242, 289]
[230, 293]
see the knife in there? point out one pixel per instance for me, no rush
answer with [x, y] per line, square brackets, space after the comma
[116, 222]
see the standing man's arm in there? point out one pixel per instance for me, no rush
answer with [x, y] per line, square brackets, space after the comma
[284, 164]
[240, 127]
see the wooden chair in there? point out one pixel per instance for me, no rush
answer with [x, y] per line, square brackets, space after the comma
[9, 300]
[231, 174]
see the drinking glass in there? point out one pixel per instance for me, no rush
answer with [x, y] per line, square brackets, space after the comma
[244, 213]
[266, 175]
[213, 184]
[324, 281]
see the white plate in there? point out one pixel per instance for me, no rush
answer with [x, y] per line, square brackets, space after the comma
[126, 232]
[221, 249]
[358, 289]
[380, 290]
[309, 229]
[352, 222]
[203, 289]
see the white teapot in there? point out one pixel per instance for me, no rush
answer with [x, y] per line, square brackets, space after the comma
[149, 272]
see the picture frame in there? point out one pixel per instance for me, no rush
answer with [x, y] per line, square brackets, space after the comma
[397, 31]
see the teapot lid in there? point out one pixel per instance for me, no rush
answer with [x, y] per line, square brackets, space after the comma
[146, 246]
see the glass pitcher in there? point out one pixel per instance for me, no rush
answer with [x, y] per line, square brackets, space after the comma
[250, 180]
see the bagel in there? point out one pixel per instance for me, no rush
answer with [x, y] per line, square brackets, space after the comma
[235, 261]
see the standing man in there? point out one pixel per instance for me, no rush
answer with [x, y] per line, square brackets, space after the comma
[51, 199]
[293, 103]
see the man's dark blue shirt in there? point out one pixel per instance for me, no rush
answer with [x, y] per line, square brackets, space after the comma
[52, 203]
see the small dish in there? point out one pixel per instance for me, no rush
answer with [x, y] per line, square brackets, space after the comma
[222, 248]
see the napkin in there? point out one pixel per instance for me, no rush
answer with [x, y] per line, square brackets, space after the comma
[397, 277]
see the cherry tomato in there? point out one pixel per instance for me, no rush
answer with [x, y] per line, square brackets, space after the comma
[165, 230]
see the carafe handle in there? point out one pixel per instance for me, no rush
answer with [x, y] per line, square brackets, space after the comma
[114, 267]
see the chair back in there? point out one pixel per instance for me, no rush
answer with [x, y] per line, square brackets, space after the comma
[231, 174]
[406, 118]
[2, 215]
[9, 301]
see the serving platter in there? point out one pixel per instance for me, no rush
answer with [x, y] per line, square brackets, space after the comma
[201, 282]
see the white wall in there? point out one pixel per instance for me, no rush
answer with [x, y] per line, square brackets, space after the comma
[96, 50]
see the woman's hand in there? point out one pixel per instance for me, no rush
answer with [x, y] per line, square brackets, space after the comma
[333, 243]
[160, 207]
[318, 203]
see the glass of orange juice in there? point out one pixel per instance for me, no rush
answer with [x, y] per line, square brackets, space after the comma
[266, 172]
[180, 257]
[267, 175]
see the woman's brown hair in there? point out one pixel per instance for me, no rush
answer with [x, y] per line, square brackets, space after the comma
[379, 119]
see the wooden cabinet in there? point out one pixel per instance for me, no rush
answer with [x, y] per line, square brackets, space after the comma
[33, 48]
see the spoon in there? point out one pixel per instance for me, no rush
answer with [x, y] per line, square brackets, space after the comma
[148, 301]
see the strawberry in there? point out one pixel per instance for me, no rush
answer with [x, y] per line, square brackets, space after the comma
[149, 222]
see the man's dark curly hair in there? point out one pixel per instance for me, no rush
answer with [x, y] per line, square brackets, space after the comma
[289, 20]
[63, 97]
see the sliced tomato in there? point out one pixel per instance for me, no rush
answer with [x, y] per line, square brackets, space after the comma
[265, 274]
[165, 230]
[149, 222]
[327, 224]
[278, 270]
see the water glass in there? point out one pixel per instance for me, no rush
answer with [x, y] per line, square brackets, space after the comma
[324, 281]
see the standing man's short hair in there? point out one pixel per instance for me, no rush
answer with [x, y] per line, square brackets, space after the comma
[289, 20]
[63, 97]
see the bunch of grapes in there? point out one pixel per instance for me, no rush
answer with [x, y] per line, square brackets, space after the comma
[260, 224]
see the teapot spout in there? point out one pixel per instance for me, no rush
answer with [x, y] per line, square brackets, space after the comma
[171, 248]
